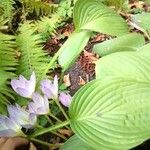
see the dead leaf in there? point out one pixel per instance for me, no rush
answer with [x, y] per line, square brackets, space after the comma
[65, 132]
[81, 81]
[66, 80]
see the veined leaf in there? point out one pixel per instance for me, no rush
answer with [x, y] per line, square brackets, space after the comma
[123, 64]
[126, 42]
[142, 21]
[95, 16]
[112, 114]
[75, 143]
[72, 48]
[145, 50]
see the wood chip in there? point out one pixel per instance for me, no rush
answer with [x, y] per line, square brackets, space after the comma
[66, 80]
[65, 132]
[81, 81]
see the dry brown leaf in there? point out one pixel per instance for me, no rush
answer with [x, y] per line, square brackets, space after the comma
[81, 81]
[65, 132]
[66, 80]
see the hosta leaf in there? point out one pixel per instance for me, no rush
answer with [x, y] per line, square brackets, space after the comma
[75, 143]
[124, 64]
[112, 114]
[142, 21]
[145, 50]
[95, 16]
[123, 43]
[72, 48]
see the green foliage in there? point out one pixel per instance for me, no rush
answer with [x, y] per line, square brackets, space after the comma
[142, 23]
[7, 64]
[6, 8]
[33, 58]
[88, 16]
[94, 16]
[72, 48]
[128, 64]
[112, 113]
[126, 42]
[40, 7]
[46, 26]
[74, 143]
[118, 4]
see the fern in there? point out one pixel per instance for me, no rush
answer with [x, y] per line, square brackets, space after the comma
[33, 58]
[8, 64]
[46, 26]
[38, 6]
[6, 8]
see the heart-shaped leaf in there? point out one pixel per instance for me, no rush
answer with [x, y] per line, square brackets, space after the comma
[112, 113]
[126, 42]
[95, 16]
[75, 143]
[123, 64]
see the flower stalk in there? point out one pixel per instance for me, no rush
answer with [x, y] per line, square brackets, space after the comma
[52, 128]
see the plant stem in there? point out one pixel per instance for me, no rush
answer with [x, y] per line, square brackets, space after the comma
[57, 119]
[52, 128]
[61, 108]
[49, 120]
[54, 117]
[51, 63]
[41, 142]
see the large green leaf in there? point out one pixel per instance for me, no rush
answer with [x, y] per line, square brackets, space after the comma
[75, 143]
[142, 21]
[112, 114]
[145, 50]
[72, 48]
[126, 42]
[95, 16]
[124, 64]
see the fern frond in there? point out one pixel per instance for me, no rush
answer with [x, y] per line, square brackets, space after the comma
[8, 64]
[6, 8]
[46, 26]
[33, 58]
[39, 7]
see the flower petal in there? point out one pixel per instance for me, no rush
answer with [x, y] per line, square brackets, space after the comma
[65, 99]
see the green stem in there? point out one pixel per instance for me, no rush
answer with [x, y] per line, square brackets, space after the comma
[57, 119]
[61, 108]
[51, 63]
[49, 120]
[52, 128]
[54, 117]
[41, 142]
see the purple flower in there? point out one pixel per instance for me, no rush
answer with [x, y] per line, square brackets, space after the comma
[50, 88]
[8, 128]
[65, 98]
[40, 105]
[23, 86]
[21, 116]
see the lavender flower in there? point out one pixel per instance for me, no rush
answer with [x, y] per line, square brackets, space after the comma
[50, 88]
[65, 98]
[8, 128]
[22, 117]
[40, 105]
[23, 86]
